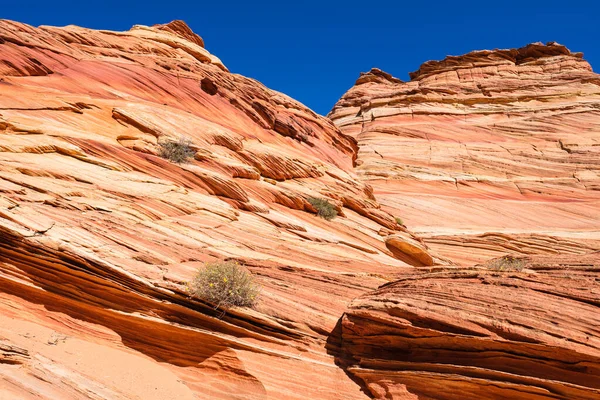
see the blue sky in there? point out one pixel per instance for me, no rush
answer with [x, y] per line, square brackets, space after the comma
[315, 50]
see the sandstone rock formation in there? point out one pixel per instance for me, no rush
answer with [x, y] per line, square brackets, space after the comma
[486, 153]
[99, 236]
[479, 334]
[489, 153]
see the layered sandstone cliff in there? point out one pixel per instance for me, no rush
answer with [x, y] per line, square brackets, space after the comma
[99, 236]
[480, 334]
[485, 153]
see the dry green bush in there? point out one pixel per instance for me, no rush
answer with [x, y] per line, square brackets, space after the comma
[399, 221]
[325, 209]
[225, 284]
[177, 151]
[506, 263]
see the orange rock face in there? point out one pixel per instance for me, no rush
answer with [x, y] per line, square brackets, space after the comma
[99, 236]
[489, 153]
[476, 334]
[494, 151]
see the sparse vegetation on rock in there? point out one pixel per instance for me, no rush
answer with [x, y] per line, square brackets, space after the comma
[225, 284]
[506, 263]
[95, 237]
[399, 221]
[325, 209]
[178, 151]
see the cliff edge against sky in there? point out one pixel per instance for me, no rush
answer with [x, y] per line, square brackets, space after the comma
[493, 151]
[490, 153]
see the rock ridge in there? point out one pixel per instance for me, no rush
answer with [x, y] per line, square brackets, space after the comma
[99, 235]
[532, 54]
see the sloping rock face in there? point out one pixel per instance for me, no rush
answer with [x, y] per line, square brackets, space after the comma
[486, 153]
[481, 334]
[99, 235]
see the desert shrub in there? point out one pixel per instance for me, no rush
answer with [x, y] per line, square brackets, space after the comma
[506, 263]
[324, 208]
[177, 151]
[225, 284]
[399, 221]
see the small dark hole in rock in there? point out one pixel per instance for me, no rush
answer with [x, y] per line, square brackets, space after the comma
[208, 86]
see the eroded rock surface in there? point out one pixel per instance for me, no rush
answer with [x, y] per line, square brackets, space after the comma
[99, 235]
[481, 334]
[487, 153]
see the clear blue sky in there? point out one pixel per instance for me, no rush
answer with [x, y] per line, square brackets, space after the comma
[315, 50]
